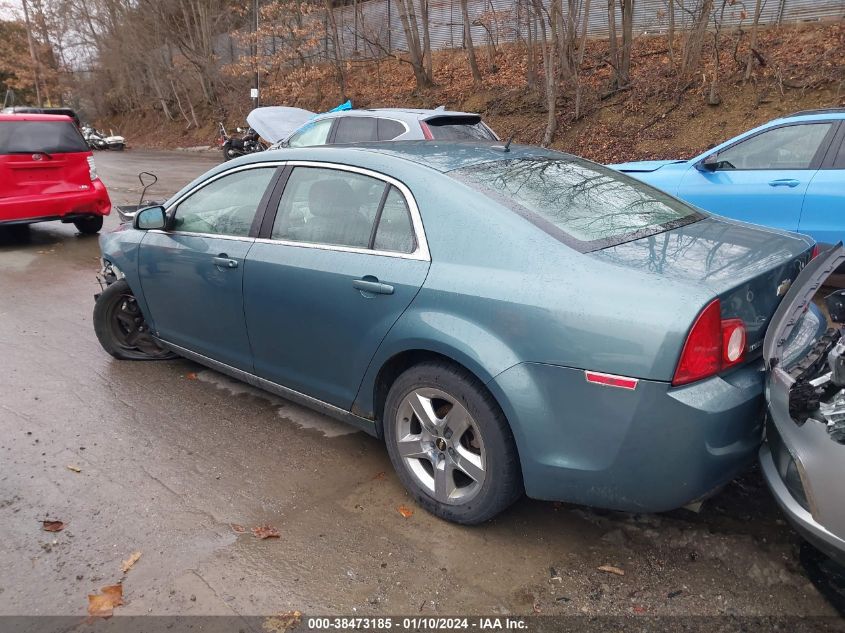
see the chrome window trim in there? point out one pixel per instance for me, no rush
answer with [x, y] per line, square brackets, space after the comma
[421, 252]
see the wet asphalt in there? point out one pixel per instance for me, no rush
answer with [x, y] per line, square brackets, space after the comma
[175, 460]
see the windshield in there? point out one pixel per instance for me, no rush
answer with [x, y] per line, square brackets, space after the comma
[30, 137]
[583, 204]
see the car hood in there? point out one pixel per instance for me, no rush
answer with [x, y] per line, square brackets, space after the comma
[644, 165]
[797, 300]
[276, 123]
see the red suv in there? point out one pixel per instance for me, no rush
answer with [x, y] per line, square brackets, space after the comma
[47, 172]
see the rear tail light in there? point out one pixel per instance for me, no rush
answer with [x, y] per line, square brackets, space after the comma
[92, 169]
[427, 135]
[815, 252]
[713, 344]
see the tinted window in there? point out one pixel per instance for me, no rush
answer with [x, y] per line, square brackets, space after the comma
[459, 128]
[395, 232]
[328, 206]
[356, 129]
[790, 147]
[389, 130]
[839, 162]
[314, 133]
[575, 199]
[226, 206]
[30, 137]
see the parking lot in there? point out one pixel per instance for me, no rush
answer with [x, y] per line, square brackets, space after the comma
[179, 463]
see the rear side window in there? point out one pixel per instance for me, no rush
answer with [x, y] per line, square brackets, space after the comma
[389, 130]
[583, 204]
[395, 231]
[32, 137]
[356, 129]
[328, 206]
[459, 128]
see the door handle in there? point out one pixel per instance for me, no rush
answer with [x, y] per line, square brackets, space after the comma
[223, 261]
[784, 182]
[372, 285]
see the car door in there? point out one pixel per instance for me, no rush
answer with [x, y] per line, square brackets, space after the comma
[823, 213]
[338, 262]
[192, 274]
[761, 178]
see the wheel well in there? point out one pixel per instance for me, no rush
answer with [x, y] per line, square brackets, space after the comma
[394, 367]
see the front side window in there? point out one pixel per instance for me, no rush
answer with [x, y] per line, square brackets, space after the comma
[583, 204]
[225, 206]
[32, 137]
[314, 133]
[328, 206]
[789, 147]
[356, 129]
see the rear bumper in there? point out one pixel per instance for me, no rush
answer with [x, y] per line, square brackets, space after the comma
[803, 522]
[28, 209]
[651, 449]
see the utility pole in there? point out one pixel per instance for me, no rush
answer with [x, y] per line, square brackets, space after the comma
[256, 87]
[35, 65]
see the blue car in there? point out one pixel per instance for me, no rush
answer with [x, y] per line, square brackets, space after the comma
[788, 174]
[508, 319]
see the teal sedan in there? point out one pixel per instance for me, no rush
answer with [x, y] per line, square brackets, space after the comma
[509, 320]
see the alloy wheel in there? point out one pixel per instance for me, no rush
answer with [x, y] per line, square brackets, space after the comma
[440, 444]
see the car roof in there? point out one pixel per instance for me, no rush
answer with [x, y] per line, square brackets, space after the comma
[442, 156]
[820, 114]
[404, 113]
[29, 116]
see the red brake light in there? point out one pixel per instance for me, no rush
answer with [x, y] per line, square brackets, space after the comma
[712, 345]
[815, 252]
[427, 135]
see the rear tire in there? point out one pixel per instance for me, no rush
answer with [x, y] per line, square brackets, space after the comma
[90, 225]
[120, 326]
[461, 463]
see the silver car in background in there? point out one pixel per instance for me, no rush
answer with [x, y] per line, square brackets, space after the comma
[803, 459]
[294, 127]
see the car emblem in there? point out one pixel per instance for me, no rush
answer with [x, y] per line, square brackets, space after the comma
[783, 287]
[37, 157]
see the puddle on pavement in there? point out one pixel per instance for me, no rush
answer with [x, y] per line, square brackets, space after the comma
[288, 411]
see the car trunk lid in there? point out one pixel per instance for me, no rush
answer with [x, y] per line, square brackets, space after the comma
[42, 158]
[748, 268]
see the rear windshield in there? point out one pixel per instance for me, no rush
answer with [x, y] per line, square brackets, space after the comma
[583, 204]
[455, 128]
[30, 137]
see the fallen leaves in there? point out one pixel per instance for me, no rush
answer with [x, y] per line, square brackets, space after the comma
[74, 468]
[405, 511]
[282, 622]
[191, 375]
[239, 529]
[610, 569]
[379, 476]
[52, 526]
[265, 531]
[102, 605]
[127, 564]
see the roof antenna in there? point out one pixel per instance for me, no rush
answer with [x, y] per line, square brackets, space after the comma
[507, 146]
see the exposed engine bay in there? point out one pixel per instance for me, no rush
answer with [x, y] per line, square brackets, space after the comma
[818, 392]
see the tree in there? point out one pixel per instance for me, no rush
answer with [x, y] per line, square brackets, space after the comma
[473, 63]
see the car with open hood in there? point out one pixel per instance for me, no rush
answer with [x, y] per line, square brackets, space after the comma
[295, 127]
[508, 319]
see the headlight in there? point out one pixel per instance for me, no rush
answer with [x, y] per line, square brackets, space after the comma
[792, 479]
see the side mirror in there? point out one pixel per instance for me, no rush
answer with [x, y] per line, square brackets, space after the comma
[709, 163]
[150, 218]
